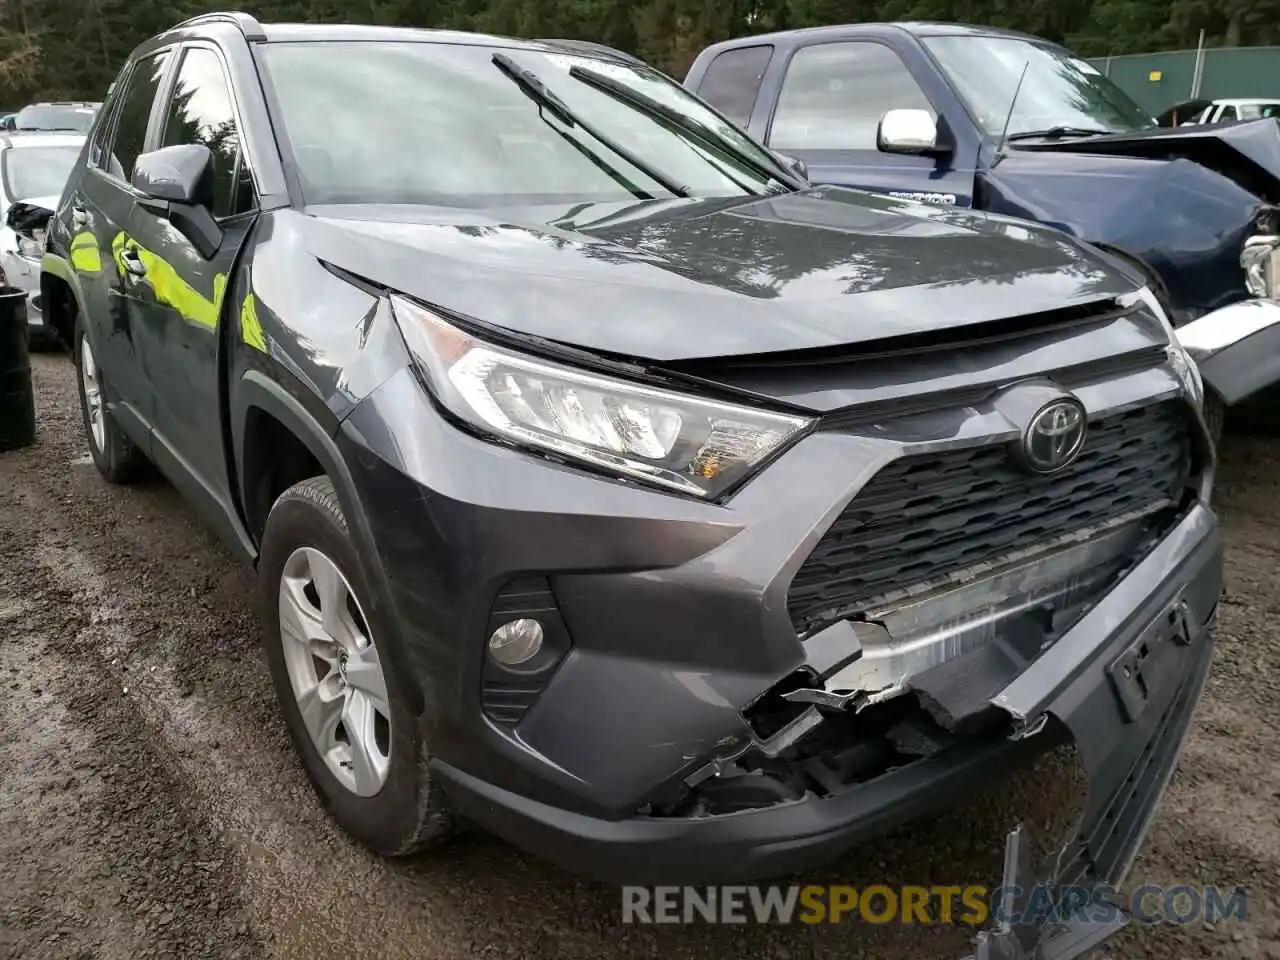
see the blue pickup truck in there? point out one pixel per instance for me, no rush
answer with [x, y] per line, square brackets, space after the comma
[1011, 124]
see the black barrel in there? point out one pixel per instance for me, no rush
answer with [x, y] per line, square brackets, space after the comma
[17, 398]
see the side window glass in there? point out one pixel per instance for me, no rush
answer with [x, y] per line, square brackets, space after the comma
[134, 114]
[103, 123]
[732, 81]
[834, 94]
[1228, 113]
[201, 112]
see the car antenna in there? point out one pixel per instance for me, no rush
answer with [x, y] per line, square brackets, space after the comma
[1012, 103]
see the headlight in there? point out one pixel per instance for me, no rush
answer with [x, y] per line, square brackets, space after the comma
[680, 442]
[1259, 260]
[1183, 366]
[31, 247]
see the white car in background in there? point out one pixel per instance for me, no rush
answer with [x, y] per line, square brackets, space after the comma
[33, 170]
[1226, 111]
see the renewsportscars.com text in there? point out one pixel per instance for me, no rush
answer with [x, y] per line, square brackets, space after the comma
[971, 905]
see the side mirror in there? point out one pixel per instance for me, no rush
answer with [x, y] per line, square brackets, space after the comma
[178, 174]
[794, 165]
[908, 131]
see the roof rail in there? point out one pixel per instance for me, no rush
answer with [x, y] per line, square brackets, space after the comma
[247, 24]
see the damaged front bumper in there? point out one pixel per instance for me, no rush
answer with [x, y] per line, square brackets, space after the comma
[1121, 683]
[1237, 348]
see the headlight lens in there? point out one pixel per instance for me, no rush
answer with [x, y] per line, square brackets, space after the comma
[1261, 271]
[31, 247]
[685, 443]
[1183, 366]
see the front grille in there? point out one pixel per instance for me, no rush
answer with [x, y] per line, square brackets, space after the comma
[925, 518]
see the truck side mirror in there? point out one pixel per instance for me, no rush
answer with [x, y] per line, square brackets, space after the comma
[908, 131]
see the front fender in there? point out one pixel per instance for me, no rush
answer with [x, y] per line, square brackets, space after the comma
[1237, 348]
[1186, 222]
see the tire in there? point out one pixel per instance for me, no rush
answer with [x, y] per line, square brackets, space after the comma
[1215, 415]
[405, 812]
[114, 454]
[44, 340]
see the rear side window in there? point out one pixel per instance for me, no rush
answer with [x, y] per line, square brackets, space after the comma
[135, 112]
[1228, 113]
[732, 81]
[201, 112]
[834, 94]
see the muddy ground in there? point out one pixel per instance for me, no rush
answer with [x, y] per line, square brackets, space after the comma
[150, 804]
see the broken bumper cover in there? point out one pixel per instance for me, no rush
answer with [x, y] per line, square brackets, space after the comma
[1128, 728]
[1237, 348]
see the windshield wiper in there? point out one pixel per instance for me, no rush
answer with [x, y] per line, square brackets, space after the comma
[674, 118]
[1058, 133]
[538, 92]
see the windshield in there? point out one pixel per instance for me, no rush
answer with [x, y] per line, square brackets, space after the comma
[443, 124]
[1059, 90]
[77, 118]
[37, 171]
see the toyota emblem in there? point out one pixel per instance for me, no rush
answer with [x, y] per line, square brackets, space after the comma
[1055, 436]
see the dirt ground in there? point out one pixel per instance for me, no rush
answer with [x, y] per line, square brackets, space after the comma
[151, 806]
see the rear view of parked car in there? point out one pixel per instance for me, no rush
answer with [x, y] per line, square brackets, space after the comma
[33, 170]
[664, 514]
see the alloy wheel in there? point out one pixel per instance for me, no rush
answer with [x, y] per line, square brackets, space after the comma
[92, 394]
[335, 671]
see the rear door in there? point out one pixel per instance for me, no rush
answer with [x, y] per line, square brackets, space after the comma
[98, 211]
[828, 111]
[180, 301]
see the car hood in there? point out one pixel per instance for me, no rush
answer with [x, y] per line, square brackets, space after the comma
[45, 203]
[683, 279]
[1247, 153]
[30, 214]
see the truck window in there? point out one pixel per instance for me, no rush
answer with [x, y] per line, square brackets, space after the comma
[1228, 113]
[732, 81]
[201, 112]
[834, 95]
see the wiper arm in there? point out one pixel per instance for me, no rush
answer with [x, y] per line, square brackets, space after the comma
[537, 91]
[1057, 133]
[674, 118]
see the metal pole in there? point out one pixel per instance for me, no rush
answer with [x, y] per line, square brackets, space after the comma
[1198, 72]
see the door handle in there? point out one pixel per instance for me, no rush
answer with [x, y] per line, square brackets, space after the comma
[132, 261]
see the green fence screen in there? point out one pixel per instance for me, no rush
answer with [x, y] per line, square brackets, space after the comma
[1159, 80]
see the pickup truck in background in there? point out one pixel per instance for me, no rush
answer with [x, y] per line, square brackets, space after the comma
[999, 121]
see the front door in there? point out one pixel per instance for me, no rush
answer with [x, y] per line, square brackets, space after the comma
[829, 107]
[183, 283]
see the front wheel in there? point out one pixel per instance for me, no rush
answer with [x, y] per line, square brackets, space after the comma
[343, 700]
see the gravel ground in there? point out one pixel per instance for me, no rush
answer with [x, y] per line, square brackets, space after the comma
[150, 804]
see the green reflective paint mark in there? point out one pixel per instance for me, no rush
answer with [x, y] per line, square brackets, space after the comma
[85, 257]
[171, 289]
[250, 327]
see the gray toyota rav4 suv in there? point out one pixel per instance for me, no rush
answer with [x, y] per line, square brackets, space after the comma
[611, 486]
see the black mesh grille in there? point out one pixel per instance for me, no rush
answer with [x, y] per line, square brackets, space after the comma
[927, 517]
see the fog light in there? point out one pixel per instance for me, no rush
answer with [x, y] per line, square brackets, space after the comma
[516, 642]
